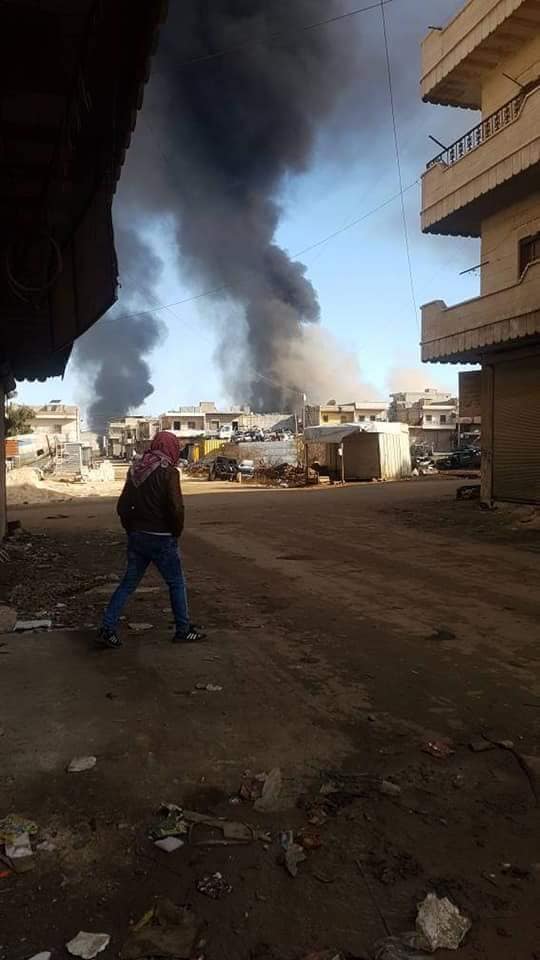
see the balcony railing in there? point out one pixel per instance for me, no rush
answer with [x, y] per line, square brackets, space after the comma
[484, 131]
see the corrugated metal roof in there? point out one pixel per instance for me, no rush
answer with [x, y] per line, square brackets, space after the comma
[336, 434]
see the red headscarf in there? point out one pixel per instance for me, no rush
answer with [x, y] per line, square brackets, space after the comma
[164, 452]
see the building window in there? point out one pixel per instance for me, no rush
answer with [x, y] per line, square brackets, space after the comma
[176, 425]
[443, 418]
[57, 428]
[214, 424]
[373, 418]
[191, 425]
[343, 419]
[362, 417]
[325, 418]
[529, 250]
[429, 418]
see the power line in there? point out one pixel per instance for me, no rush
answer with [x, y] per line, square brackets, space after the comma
[313, 246]
[273, 37]
[357, 220]
[398, 163]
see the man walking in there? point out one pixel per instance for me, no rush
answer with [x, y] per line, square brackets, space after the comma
[151, 510]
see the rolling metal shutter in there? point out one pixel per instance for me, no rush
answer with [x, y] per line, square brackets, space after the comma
[516, 433]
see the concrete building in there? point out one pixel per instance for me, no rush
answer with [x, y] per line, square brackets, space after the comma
[207, 419]
[359, 411]
[130, 434]
[487, 185]
[57, 421]
[431, 416]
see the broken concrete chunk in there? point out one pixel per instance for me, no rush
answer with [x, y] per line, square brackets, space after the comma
[81, 764]
[20, 847]
[169, 844]
[88, 945]
[22, 625]
[440, 925]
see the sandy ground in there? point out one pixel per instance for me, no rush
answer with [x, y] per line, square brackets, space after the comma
[348, 627]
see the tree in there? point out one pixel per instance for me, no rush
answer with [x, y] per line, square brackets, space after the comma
[18, 420]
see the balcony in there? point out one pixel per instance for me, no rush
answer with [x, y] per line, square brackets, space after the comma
[457, 59]
[462, 334]
[493, 165]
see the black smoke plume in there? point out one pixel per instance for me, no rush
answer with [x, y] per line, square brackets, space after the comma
[239, 97]
[114, 349]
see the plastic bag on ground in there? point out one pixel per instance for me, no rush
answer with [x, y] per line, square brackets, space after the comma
[270, 792]
[440, 925]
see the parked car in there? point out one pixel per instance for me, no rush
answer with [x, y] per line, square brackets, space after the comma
[468, 459]
[246, 468]
[223, 468]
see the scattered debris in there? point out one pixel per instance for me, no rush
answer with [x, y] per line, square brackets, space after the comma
[440, 925]
[81, 764]
[169, 844]
[232, 831]
[170, 824]
[140, 627]
[19, 847]
[24, 625]
[165, 931]
[88, 945]
[46, 955]
[214, 886]
[251, 786]
[270, 792]
[209, 687]
[389, 789]
[13, 826]
[293, 853]
[440, 749]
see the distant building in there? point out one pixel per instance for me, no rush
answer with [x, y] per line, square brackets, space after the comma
[206, 419]
[127, 435]
[431, 415]
[360, 411]
[57, 421]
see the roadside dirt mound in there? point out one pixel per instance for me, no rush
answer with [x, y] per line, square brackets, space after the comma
[25, 486]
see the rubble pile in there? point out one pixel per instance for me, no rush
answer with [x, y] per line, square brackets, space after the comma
[284, 475]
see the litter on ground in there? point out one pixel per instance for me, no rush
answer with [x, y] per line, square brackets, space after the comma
[169, 844]
[271, 791]
[440, 925]
[81, 764]
[214, 886]
[88, 945]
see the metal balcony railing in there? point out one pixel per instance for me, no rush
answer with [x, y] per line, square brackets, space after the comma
[484, 131]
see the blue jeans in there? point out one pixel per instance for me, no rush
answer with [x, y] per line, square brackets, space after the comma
[144, 549]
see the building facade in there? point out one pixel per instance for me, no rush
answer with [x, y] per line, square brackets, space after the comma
[431, 415]
[333, 413]
[57, 421]
[487, 185]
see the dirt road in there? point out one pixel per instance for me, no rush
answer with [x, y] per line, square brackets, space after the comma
[348, 628]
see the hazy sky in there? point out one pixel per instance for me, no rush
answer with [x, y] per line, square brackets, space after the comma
[361, 275]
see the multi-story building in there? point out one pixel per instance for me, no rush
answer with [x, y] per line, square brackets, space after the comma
[431, 415]
[487, 185]
[207, 419]
[355, 412]
[56, 421]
